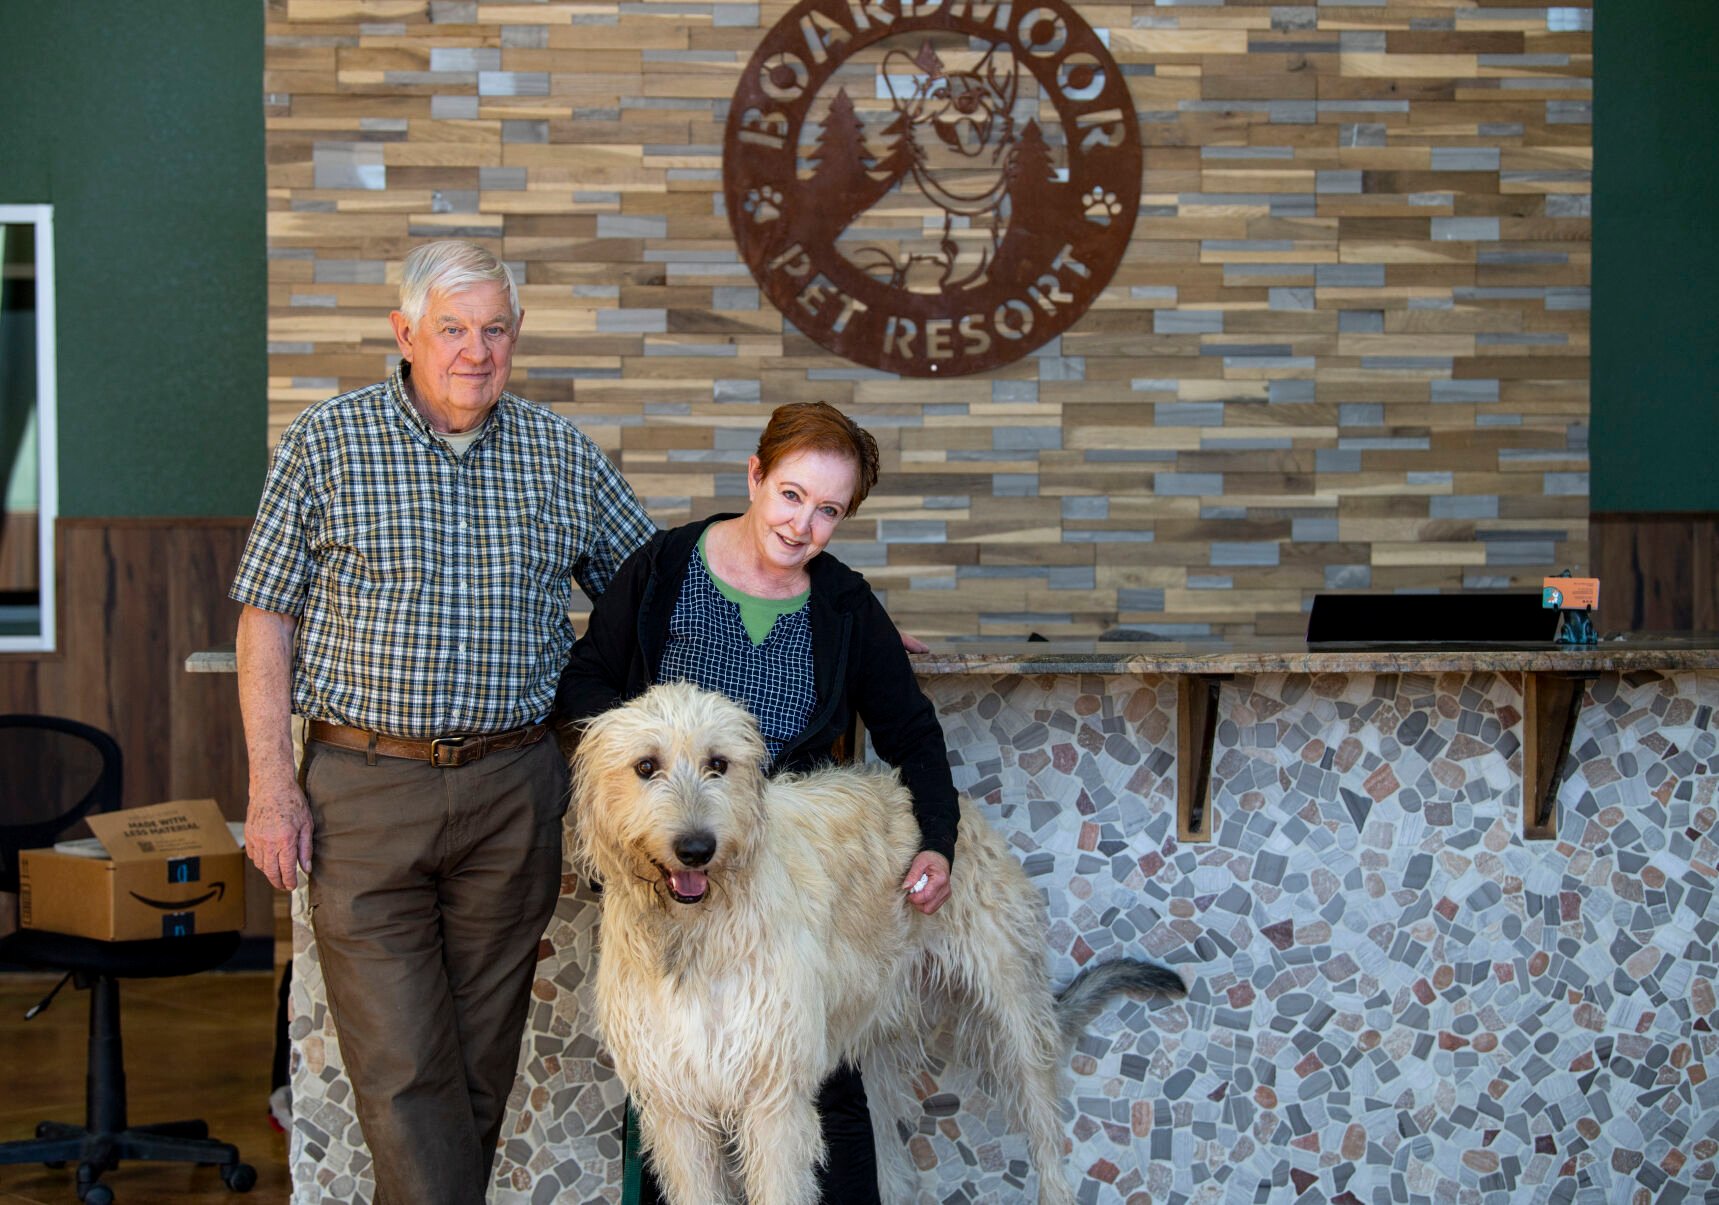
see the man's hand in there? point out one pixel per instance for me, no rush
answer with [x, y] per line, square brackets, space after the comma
[278, 832]
[927, 881]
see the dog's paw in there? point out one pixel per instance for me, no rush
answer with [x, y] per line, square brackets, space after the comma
[1100, 206]
[764, 204]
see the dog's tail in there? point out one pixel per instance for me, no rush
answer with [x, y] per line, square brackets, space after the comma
[1087, 994]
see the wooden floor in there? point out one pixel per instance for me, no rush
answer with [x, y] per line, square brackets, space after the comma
[194, 1047]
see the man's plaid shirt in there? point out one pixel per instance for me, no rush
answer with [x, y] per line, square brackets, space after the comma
[431, 591]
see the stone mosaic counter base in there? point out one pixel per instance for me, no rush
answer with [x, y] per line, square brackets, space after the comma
[1397, 998]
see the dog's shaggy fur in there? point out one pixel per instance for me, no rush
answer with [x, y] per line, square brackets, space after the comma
[755, 934]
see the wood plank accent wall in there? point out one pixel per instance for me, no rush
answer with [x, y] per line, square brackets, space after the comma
[137, 596]
[19, 550]
[1658, 572]
[1347, 350]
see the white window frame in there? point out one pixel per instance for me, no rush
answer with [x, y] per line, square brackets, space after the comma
[47, 412]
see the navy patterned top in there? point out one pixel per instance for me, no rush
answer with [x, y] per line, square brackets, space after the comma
[708, 646]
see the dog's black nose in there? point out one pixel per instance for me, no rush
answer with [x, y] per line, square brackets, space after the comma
[695, 849]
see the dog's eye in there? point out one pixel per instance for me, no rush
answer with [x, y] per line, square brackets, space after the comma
[717, 765]
[645, 767]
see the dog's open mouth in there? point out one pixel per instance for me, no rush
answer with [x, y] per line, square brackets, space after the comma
[686, 886]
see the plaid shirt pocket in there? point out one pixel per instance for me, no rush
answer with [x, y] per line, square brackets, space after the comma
[380, 552]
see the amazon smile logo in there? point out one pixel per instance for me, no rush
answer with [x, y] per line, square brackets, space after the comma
[217, 891]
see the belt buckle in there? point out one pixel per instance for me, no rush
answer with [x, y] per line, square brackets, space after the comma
[449, 746]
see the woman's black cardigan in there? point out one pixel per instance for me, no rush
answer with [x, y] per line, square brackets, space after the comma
[858, 666]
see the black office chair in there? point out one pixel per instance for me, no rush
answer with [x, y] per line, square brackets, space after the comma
[53, 773]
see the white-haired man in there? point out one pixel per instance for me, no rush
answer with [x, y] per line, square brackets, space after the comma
[406, 589]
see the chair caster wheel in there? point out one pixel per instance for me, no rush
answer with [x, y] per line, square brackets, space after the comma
[240, 1177]
[89, 1191]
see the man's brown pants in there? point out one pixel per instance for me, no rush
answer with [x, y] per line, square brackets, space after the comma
[429, 891]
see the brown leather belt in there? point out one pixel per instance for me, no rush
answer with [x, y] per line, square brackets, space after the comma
[443, 751]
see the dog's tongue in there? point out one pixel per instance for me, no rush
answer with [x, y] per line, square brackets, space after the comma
[688, 884]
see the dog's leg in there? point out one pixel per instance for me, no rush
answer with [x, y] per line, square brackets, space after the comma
[888, 1090]
[687, 1157]
[1016, 1028]
[1037, 1102]
[779, 1146]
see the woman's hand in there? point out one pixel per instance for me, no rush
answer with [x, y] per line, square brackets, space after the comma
[933, 893]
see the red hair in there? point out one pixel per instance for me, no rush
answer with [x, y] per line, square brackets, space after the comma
[819, 427]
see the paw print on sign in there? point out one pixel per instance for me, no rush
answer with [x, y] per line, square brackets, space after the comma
[1100, 206]
[764, 204]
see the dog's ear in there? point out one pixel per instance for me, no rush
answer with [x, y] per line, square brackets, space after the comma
[908, 80]
[589, 742]
[578, 741]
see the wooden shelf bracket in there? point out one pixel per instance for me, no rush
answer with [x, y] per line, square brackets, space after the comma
[1551, 704]
[1196, 733]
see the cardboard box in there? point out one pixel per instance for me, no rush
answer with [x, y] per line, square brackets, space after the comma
[170, 870]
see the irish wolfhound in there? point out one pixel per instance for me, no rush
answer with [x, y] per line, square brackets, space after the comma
[754, 935]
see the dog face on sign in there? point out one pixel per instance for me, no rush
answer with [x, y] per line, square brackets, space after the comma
[667, 793]
[958, 129]
[968, 111]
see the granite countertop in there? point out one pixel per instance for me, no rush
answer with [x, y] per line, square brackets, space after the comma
[1290, 655]
[1293, 656]
[1266, 656]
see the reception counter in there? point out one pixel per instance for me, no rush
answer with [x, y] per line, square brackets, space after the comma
[1415, 975]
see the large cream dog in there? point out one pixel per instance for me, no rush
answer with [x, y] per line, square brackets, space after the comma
[754, 934]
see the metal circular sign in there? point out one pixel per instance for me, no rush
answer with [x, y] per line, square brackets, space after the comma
[932, 187]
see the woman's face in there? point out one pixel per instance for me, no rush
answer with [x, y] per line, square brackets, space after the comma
[796, 507]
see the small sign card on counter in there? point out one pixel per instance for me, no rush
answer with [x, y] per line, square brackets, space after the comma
[1570, 593]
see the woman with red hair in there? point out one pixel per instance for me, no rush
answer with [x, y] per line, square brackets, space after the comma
[752, 605]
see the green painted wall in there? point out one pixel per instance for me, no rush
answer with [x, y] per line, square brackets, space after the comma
[142, 124]
[1656, 257]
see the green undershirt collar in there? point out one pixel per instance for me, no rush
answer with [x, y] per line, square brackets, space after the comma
[757, 614]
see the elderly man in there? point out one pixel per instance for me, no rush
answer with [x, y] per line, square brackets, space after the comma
[406, 589]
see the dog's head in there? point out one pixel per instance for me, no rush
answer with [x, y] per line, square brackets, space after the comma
[969, 111]
[668, 791]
